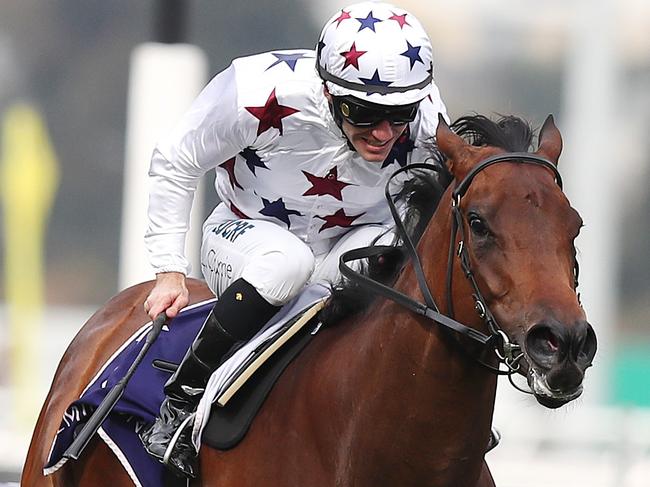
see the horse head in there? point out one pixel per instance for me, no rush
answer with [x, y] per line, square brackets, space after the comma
[516, 229]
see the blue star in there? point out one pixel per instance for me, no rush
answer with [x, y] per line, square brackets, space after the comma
[276, 209]
[400, 151]
[368, 23]
[290, 59]
[252, 159]
[375, 81]
[413, 53]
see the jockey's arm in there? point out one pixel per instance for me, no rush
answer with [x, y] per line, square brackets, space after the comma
[206, 135]
[169, 294]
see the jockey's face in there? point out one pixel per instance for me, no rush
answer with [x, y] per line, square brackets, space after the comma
[371, 130]
[373, 143]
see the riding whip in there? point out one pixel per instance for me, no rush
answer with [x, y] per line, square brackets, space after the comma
[108, 403]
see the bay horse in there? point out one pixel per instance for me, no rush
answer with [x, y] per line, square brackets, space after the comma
[389, 397]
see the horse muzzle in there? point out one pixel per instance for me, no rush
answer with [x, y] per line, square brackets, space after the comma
[558, 356]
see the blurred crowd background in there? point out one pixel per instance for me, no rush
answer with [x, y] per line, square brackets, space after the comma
[586, 62]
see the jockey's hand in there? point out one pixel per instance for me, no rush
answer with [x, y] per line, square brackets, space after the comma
[169, 294]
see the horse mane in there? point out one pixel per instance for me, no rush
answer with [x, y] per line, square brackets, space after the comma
[421, 194]
[510, 133]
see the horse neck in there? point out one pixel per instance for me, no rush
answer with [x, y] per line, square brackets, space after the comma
[437, 397]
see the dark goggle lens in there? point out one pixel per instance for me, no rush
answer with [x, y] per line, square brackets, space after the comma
[360, 115]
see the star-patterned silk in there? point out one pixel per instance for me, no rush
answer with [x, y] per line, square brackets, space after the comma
[327, 185]
[352, 57]
[377, 52]
[271, 114]
[265, 126]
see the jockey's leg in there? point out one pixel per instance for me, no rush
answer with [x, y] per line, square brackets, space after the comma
[327, 264]
[254, 274]
[233, 318]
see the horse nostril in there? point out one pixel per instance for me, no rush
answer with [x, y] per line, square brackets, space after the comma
[543, 344]
[586, 345]
[552, 342]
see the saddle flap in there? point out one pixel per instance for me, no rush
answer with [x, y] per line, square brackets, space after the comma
[233, 414]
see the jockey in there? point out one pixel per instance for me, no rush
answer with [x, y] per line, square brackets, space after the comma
[303, 143]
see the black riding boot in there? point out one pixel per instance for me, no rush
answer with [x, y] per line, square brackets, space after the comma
[238, 314]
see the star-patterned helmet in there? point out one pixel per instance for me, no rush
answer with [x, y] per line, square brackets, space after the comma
[376, 52]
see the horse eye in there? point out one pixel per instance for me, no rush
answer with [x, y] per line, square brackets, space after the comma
[478, 226]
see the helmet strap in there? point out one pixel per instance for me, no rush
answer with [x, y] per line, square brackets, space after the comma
[338, 119]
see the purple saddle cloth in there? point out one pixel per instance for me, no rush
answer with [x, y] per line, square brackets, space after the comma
[140, 403]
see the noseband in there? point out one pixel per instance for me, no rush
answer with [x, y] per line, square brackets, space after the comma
[507, 352]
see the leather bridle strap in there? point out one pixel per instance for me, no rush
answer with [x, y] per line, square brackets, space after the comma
[403, 234]
[400, 298]
[430, 309]
[457, 227]
[507, 352]
[515, 157]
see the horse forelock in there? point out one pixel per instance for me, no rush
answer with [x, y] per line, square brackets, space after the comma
[508, 132]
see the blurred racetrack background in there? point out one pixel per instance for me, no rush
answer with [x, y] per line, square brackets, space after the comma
[65, 67]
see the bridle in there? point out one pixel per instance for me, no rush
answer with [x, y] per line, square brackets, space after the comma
[506, 352]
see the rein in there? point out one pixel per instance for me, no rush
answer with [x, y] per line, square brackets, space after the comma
[507, 353]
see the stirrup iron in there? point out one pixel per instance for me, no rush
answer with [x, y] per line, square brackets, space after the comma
[174, 440]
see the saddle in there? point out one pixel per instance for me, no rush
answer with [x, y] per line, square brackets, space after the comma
[232, 416]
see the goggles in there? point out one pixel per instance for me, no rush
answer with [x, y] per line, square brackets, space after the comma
[359, 113]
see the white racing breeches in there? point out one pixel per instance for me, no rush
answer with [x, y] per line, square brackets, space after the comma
[272, 259]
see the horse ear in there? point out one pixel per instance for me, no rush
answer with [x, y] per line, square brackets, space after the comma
[450, 143]
[550, 140]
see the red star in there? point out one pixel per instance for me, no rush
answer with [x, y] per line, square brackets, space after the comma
[338, 219]
[271, 114]
[352, 56]
[238, 212]
[229, 166]
[400, 19]
[328, 185]
[344, 15]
